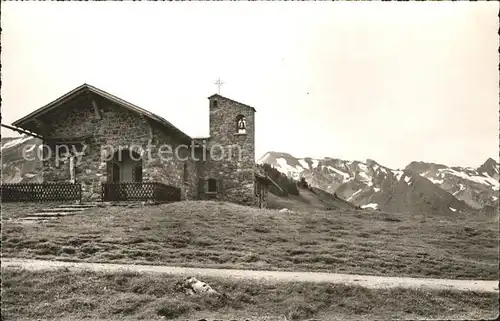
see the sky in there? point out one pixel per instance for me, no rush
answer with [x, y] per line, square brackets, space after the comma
[392, 82]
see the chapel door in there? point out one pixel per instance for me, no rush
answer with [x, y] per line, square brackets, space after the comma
[115, 173]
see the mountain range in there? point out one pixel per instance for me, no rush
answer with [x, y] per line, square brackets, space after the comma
[419, 187]
[17, 168]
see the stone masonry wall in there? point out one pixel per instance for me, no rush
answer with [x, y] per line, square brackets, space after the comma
[117, 127]
[232, 155]
[167, 163]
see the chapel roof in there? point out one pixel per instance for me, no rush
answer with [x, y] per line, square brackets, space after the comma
[83, 90]
[232, 100]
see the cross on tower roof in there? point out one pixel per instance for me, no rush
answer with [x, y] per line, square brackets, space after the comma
[219, 83]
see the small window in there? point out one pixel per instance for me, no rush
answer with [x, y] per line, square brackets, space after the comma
[185, 172]
[241, 124]
[214, 103]
[211, 185]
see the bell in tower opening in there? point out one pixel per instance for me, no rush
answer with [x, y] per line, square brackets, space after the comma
[242, 125]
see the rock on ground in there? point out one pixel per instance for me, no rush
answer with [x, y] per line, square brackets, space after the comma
[193, 286]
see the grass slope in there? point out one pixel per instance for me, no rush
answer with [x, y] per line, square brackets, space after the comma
[65, 295]
[307, 200]
[213, 234]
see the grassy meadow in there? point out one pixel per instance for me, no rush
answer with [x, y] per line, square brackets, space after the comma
[71, 295]
[223, 235]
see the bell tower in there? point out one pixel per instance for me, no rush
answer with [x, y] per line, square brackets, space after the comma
[231, 157]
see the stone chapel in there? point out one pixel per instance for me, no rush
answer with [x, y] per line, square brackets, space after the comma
[109, 140]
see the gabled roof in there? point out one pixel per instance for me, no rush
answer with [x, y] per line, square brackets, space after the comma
[234, 101]
[86, 88]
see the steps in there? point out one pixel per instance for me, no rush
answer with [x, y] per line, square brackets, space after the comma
[51, 213]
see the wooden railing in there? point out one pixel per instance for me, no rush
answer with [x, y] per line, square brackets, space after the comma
[138, 191]
[41, 192]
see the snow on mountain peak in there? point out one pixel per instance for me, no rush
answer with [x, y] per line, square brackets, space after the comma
[472, 175]
[304, 164]
[365, 178]
[398, 174]
[363, 167]
[289, 170]
[345, 175]
[15, 141]
[372, 183]
[372, 206]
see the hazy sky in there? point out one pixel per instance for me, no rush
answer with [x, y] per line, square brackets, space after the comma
[393, 82]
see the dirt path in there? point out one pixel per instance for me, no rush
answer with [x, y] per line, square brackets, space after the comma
[374, 282]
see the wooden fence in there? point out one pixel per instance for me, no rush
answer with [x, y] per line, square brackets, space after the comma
[41, 192]
[139, 191]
